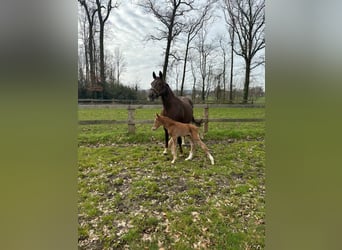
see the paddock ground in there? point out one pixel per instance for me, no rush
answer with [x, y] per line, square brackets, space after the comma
[132, 197]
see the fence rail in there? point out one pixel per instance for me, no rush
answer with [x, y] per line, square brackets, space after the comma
[160, 105]
[131, 121]
[97, 122]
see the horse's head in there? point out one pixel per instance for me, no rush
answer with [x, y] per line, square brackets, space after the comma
[157, 123]
[158, 87]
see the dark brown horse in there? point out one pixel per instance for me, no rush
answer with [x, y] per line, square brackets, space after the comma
[177, 108]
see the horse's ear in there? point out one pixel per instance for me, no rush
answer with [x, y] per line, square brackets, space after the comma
[154, 75]
[157, 115]
[160, 75]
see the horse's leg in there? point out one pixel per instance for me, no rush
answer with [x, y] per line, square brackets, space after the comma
[179, 140]
[166, 141]
[183, 140]
[206, 150]
[170, 142]
[174, 150]
[192, 147]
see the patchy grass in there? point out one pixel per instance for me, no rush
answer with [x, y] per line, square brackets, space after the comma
[121, 114]
[132, 197]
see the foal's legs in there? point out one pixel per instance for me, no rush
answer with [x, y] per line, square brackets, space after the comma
[173, 149]
[192, 147]
[166, 141]
[206, 150]
[179, 141]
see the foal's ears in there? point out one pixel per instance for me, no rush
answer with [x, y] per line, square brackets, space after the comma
[154, 75]
[157, 115]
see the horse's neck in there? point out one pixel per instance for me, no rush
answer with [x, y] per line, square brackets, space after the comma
[168, 98]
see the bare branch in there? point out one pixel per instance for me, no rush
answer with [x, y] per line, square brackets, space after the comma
[171, 14]
[175, 56]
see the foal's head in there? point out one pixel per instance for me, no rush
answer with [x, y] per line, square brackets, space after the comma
[157, 122]
[159, 87]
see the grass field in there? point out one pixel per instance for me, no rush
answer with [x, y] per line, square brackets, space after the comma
[132, 197]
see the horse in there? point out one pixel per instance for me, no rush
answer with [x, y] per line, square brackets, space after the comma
[177, 129]
[177, 108]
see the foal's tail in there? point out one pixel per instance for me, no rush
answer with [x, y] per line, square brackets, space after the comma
[198, 123]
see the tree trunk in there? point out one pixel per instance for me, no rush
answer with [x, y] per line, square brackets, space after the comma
[167, 52]
[166, 58]
[224, 77]
[118, 71]
[231, 70]
[102, 64]
[203, 89]
[102, 21]
[185, 61]
[86, 53]
[169, 41]
[91, 56]
[246, 84]
[90, 18]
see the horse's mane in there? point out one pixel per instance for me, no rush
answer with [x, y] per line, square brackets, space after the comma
[182, 98]
[170, 92]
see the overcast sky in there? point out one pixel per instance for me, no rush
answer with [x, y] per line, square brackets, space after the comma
[128, 28]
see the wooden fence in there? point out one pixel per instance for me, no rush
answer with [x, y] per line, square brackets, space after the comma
[131, 122]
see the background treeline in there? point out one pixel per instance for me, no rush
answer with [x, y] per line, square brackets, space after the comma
[208, 67]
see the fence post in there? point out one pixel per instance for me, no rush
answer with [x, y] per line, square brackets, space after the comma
[131, 124]
[206, 119]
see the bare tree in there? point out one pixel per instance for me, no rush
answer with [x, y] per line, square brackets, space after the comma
[103, 11]
[204, 49]
[90, 12]
[231, 33]
[110, 67]
[171, 14]
[224, 64]
[120, 63]
[232, 37]
[192, 28]
[83, 47]
[212, 74]
[175, 68]
[193, 72]
[247, 20]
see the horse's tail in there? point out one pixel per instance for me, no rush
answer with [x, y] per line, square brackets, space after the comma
[198, 123]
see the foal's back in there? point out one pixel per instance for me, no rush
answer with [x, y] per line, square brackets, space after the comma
[184, 129]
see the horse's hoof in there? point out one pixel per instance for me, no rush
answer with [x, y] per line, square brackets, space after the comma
[165, 152]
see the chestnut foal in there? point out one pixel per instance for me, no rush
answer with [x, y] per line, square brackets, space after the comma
[176, 129]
